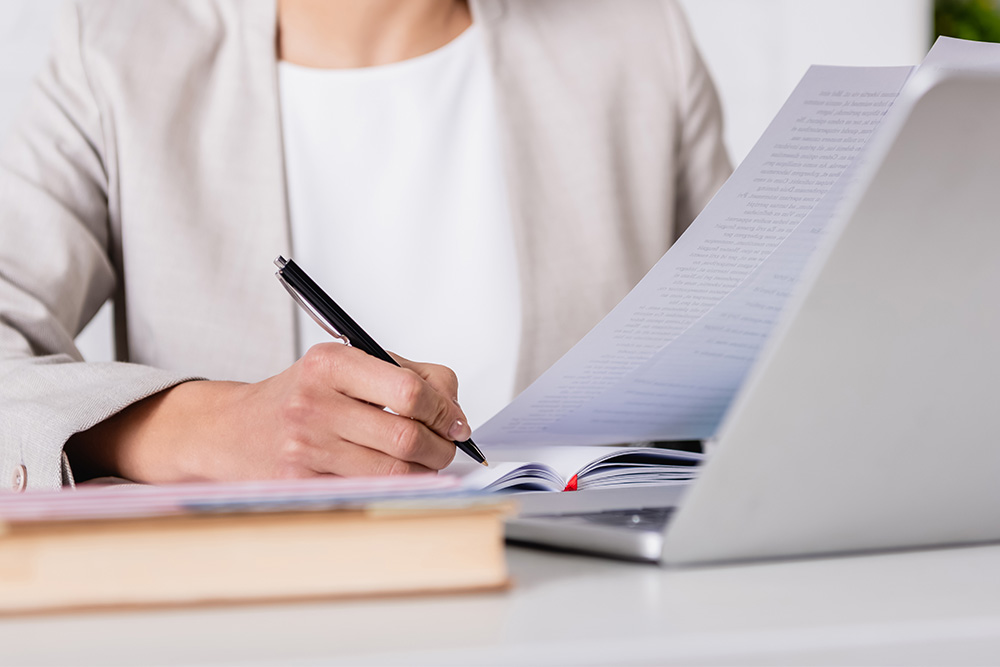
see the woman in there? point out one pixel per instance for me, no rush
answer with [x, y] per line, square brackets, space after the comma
[483, 179]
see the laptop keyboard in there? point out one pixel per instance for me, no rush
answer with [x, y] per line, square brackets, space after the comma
[647, 518]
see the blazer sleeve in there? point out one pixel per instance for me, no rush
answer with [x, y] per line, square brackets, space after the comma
[702, 159]
[55, 273]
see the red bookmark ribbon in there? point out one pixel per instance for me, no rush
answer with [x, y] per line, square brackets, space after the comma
[571, 485]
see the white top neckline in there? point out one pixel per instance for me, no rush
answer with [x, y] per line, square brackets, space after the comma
[399, 210]
[400, 67]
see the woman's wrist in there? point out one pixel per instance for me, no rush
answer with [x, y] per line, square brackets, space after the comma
[156, 440]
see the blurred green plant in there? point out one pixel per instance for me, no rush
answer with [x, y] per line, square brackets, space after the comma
[968, 19]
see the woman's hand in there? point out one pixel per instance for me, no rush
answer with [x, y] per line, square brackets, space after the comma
[322, 415]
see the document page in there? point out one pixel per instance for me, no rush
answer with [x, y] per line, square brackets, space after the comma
[665, 363]
[551, 468]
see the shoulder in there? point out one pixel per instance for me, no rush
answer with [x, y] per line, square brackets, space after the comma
[161, 31]
[653, 27]
[581, 12]
[146, 18]
[611, 42]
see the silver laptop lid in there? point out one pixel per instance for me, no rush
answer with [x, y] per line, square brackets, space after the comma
[872, 421]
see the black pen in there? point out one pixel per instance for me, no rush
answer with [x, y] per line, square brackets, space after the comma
[339, 324]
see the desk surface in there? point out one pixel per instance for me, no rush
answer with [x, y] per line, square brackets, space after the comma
[927, 607]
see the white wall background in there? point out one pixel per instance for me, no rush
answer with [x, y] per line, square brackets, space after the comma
[756, 49]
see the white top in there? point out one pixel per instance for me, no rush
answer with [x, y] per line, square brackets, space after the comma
[399, 211]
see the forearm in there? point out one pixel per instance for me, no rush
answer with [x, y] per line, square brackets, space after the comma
[161, 439]
[318, 417]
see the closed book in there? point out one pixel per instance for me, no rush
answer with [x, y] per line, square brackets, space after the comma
[197, 544]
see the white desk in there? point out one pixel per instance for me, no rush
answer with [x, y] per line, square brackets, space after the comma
[930, 607]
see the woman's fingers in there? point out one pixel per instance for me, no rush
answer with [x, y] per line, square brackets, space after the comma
[321, 417]
[354, 460]
[353, 373]
[441, 378]
[321, 435]
[402, 438]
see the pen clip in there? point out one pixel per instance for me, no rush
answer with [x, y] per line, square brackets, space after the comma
[330, 329]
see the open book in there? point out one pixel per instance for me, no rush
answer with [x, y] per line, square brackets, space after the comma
[577, 468]
[667, 362]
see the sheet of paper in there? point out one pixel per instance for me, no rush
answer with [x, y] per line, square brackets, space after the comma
[958, 54]
[665, 363]
[125, 501]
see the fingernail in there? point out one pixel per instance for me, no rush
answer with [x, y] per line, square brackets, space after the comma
[460, 431]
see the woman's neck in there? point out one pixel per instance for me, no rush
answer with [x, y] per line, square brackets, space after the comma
[341, 34]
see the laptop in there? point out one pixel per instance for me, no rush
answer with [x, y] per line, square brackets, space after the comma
[872, 419]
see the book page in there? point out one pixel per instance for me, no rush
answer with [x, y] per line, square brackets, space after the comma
[665, 363]
[551, 468]
[510, 476]
[548, 468]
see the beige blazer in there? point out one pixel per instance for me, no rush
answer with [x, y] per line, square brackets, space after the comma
[148, 169]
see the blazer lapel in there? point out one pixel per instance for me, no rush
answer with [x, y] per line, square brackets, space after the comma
[547, 185]
[263, 226]
[274, 227]
[197, 137]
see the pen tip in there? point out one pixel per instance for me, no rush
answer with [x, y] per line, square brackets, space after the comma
[486, 463]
